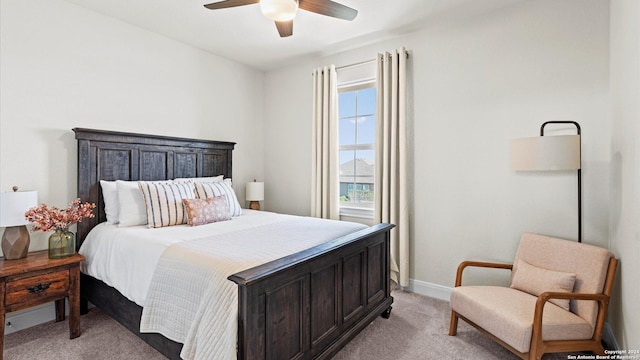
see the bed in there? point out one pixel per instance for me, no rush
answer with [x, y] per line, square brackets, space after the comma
[321, 296]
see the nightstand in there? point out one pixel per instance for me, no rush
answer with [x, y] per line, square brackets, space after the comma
[36, 280]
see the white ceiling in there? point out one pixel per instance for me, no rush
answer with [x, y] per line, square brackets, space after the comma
[243, 34]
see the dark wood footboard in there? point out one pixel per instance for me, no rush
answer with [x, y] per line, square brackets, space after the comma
[306, 305]
[310, 304]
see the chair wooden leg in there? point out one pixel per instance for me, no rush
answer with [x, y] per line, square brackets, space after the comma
[453, 327]
[535, 352]
[599, 350]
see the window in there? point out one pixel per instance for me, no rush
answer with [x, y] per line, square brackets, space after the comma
[357, 130]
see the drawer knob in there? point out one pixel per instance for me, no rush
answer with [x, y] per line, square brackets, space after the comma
[37, 289]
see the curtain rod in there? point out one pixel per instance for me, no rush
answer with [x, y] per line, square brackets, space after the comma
[356, 64]
[360, 63]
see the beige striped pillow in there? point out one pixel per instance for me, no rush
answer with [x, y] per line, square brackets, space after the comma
[163, 203]
[221, 188]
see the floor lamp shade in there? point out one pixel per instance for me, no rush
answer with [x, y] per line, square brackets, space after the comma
[254, 193]
[15, 239]
[545, 153]
[549, 153]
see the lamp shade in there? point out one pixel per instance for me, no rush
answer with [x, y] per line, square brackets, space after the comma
[14, 204]
[254, 191]
[279, 10]
[541, 153]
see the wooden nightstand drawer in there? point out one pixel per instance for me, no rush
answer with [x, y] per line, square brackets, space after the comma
[36, 280]
[37, 288]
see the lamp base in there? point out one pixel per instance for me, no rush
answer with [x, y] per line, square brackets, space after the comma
[254, 205]
[15, 242]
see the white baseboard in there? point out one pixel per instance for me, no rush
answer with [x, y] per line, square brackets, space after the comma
[24, 319]
[429, 289]
[29, 317]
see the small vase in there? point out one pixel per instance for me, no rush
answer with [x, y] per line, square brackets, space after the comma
[62, 243]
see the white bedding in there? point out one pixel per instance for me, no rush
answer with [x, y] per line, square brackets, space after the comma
[125, 257]
[176, 303]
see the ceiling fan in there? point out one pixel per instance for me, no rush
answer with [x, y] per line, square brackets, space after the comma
[283, 11]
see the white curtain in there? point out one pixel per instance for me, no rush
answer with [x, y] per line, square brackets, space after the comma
[391, 192]
[324, 173]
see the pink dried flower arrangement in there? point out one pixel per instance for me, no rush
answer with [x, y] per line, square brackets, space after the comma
[51, 218]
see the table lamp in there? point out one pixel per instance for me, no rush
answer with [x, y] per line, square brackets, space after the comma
[13, 205]
[254, 193]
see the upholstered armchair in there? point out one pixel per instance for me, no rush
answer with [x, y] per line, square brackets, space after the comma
[557, 300]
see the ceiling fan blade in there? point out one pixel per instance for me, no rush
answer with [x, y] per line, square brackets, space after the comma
[230, 3]
[285, 28]
[329, 8]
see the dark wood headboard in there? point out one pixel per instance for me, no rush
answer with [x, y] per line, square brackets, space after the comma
[111, 155]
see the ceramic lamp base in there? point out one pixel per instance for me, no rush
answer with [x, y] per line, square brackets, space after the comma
[15, 242]
[254, 205]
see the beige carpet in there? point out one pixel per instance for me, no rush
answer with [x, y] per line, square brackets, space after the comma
[417, 329]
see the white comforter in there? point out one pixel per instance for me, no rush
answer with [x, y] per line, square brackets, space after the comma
[188, 297]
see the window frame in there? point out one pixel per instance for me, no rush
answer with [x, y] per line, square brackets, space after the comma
[352, 211]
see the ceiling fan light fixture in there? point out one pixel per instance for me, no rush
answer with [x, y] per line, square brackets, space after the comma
[279, 10]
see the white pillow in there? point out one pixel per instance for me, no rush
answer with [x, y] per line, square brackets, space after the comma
[199, 179]
[208, 190]
[131, 208]
[110, 198]
[164, 204]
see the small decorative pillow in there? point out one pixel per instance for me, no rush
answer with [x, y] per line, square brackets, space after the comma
[207, 190]
[163, 203]
[535, 280]
[110, 199]
[205, 211]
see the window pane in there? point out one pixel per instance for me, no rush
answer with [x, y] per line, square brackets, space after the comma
[347, 131]
[347, 175]
[347, 104]
[365, 166]
[366, 129]
[363, 196]
[357, 126]
[368, 155]
[367, 101]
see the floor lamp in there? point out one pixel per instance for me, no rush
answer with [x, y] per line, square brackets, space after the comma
[549, 153]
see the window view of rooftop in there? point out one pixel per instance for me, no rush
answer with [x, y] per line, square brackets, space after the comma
[357, 138]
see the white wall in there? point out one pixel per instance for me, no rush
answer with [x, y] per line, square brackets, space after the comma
[625, 169]
[478, 81]
[63, 66]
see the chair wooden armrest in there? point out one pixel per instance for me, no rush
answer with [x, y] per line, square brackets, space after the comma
[465, 264]
[536, 336]
[538, 346]
[602, 299]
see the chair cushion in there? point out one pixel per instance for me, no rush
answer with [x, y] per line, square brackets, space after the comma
[588, 262]
[535, 280]
[508, 314]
